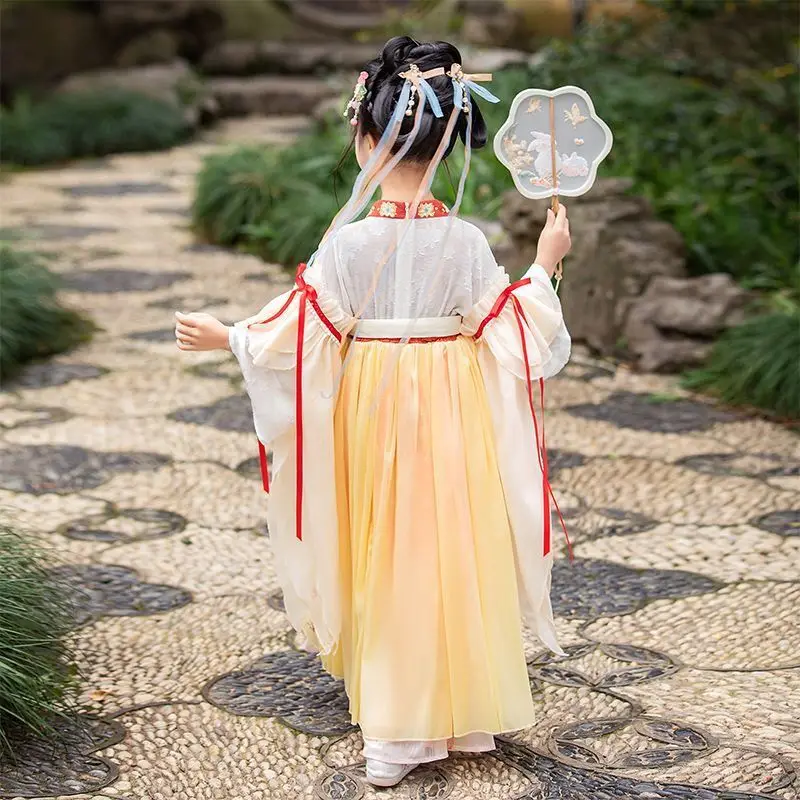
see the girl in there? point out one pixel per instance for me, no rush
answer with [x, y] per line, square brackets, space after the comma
[396, 386]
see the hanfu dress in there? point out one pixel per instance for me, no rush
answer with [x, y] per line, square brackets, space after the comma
[410, 508]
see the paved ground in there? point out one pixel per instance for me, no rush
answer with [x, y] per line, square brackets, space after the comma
[136, 463]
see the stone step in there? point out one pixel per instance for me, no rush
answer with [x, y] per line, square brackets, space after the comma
[270, 94]
[288, 58]
[258, 130]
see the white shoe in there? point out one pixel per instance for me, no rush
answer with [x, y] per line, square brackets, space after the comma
[379, 773]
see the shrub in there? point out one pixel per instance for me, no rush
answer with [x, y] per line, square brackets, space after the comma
[275, 202]
[82, 124]
[756, 364]
[37, 679]
[33, 324]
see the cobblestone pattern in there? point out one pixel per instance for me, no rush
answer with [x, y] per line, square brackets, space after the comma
[136, 463]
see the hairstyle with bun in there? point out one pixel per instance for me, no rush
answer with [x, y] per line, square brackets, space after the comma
[384, 85]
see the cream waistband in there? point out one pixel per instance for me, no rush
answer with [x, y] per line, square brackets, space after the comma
[423, 327]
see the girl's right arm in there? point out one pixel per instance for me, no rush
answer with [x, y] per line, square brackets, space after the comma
[198, 331]
[554, 240]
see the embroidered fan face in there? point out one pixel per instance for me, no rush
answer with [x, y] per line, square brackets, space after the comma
[524, 143]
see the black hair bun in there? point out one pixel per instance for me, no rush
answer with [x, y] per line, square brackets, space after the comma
[384, 85]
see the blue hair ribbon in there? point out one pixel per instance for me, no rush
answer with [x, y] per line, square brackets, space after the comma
[465, 83]
[431, 97]
[418, 80]
[482, 91]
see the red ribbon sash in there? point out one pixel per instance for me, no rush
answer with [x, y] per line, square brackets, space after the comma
[306, 295]
[541, 448]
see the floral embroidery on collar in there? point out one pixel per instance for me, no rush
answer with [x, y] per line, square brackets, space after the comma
[392, 209]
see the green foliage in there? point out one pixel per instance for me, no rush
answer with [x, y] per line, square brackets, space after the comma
[275, 202]
[711, 154]
[756, 364]
[37, 679]
[82, 124]
[33, 324]
[706, 8]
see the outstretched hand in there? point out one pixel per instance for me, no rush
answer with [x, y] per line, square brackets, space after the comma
[554, 240]
[199, 331]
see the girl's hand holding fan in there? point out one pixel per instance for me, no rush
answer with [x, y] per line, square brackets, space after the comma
[554, 240]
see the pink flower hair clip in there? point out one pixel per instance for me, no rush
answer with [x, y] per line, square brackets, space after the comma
[359, 93]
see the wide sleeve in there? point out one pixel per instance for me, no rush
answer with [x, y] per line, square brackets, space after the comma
[265, 345]
[501, 311]
[521, 339]
[289, 354]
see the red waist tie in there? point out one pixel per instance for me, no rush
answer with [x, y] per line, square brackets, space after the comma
[541, 448]
[307, 295]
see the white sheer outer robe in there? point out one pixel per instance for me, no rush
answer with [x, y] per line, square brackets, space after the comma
[434, 271]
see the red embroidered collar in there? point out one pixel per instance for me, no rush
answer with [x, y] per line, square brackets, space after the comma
[392, 209]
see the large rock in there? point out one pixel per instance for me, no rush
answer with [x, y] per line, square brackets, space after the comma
[196, 24]
[673, 324]
[618, 247]
[47, 40]
[238, 97]
[44, 42]
[174, 83]
[625, 289]
[160, 46]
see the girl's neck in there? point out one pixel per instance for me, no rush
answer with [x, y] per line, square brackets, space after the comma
[403, 185]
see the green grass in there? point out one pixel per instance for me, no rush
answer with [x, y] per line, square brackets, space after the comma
[33, 324]
[37, 678]
[757, 364]
[87, 124]
[275, 202]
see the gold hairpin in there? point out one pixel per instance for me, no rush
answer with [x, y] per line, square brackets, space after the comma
[414, 75]
[456, 72]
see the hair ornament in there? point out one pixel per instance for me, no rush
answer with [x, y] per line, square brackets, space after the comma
[464, 82]
[419, 82]
[359, 93]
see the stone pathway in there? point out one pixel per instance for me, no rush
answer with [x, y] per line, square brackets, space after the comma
[136, 463]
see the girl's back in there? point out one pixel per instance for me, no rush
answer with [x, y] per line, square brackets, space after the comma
[435, 267]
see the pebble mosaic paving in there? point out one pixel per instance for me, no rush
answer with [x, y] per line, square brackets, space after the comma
[680, 615]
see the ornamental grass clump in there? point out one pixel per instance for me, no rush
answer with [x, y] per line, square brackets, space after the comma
[37, 676]
[88, 124]
[757, 364]
[33, 324]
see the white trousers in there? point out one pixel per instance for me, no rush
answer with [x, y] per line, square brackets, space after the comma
[423, 752]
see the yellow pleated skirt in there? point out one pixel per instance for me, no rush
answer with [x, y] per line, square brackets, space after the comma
[431, 644]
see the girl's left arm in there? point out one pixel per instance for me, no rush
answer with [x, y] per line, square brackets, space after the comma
[198, 331]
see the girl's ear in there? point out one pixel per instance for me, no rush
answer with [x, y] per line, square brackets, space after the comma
[365, 144]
